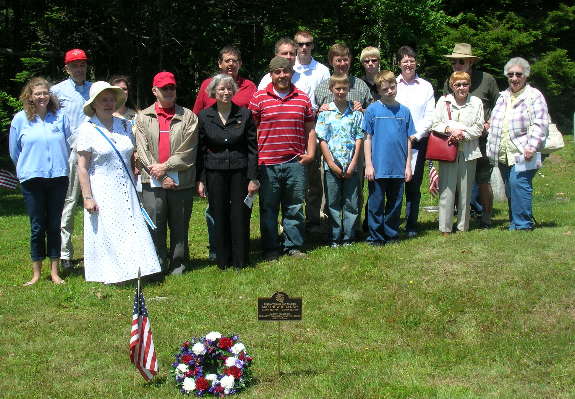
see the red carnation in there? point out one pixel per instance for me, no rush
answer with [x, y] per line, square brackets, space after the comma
[187, 358]
[202, 384]
[225, 343]
[234, 371]
[189, 373]
[219, 388]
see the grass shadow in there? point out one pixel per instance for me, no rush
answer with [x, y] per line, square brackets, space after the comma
[12, 203]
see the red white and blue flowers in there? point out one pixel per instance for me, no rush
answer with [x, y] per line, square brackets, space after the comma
[213, 365]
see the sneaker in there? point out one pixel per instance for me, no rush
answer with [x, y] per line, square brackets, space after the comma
[295, 253]
[334, 245]
[178, 271]
[347, 244]
[376, 243]
[411, 234]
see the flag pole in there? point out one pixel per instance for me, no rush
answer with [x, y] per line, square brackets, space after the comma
[138, 293]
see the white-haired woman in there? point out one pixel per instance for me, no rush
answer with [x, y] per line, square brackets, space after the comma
[517, 131]
[227, 167]
[117, 243]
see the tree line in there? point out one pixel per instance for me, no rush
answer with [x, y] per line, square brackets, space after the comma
[143, 37]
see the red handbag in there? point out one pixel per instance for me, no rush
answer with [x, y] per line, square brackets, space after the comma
[438, 146]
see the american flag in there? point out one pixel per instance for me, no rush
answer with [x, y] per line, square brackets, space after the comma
[142, 350]
[433, 180]
[8, 179]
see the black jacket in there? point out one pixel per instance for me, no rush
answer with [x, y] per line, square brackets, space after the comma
[230, 146]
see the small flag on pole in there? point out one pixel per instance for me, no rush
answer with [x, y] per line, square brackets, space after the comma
[8, 179]
[433, 180]
[142, 350]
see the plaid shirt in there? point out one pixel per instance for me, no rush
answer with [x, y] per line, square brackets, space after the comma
[528, 123]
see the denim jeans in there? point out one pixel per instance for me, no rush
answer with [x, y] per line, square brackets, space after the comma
[282, 185]
[519, 191]
[44, 199]
[341, 196]
[412, 188]
[384, 209]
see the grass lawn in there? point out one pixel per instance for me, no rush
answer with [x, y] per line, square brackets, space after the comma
[485, 314]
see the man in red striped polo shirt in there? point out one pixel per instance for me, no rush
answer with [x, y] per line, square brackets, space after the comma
[286, 144]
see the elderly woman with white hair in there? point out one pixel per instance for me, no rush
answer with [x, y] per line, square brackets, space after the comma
[117, 244]
[518, 130]
[227, 168]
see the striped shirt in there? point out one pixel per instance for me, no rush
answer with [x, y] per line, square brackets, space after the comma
[281, 124]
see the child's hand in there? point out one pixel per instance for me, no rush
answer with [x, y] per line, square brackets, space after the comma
[304, 159]
[408, 174]
[370, 173]
[335, 169]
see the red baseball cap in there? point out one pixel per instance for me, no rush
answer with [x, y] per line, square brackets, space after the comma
[75, 55]
[163, 79]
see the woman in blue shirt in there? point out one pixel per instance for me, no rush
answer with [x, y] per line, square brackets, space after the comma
[40, 150]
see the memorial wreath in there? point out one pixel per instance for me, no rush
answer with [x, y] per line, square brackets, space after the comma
[213, 365]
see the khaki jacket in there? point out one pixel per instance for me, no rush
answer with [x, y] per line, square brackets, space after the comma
[183, 143]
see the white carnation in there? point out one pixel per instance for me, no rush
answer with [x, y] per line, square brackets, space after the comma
[189, 384]
[237, 348]
[213, 336]
[181, 369]
[199, 349]
[227, 382]
[211, 377]
[231, 361]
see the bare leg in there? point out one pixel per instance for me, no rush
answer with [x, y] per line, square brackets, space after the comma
[36, 269]
[54, 272]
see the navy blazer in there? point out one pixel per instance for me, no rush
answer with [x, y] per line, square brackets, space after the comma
[230, 146]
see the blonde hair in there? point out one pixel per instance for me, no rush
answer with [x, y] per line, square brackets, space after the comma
[26, 97]
[384, 76]
[370, 52]
[459, 75]
[338, 78]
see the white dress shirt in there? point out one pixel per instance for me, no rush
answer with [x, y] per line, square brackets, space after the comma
[417, 95]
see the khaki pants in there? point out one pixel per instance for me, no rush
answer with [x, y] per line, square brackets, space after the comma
[455, 181]
[67, 222]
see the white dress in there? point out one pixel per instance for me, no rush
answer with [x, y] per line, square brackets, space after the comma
[116, 238]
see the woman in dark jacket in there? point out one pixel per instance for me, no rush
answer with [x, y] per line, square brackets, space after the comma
[227, 167]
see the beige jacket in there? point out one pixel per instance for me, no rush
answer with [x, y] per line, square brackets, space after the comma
[183, 143]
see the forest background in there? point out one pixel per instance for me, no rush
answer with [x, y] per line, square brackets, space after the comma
[141, 38]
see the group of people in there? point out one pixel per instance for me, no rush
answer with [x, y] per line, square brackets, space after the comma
[303, 139]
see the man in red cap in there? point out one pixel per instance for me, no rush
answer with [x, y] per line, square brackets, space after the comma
[167, 141]
[72, 93]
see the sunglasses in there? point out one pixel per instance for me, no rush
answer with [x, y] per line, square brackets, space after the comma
[460, 84]
[371, 61]
[459, 61]
[301, 44]
[518, 74]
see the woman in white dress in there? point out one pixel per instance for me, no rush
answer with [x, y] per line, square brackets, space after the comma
[116, 239]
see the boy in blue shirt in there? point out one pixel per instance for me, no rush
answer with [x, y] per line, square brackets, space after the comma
[339, 132]
[388, 127]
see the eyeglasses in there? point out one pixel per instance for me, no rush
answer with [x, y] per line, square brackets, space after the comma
[371, 61]
[301, 44]
[168, 87]
[460, 84]
[458, 61]
[511, 74]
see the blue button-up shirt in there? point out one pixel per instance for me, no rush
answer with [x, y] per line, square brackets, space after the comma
[339, 131]
[72, 98]
[39, 148]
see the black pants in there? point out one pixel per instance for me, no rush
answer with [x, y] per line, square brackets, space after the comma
[227, 190]
[44, 198]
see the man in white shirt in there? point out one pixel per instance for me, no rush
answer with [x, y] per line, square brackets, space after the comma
[311, 72]
[285, 48]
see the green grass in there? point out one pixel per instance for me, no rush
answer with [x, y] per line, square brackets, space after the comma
[485, 314]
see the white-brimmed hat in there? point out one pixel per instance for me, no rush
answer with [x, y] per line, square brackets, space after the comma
[461, 50]
[96, 89]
